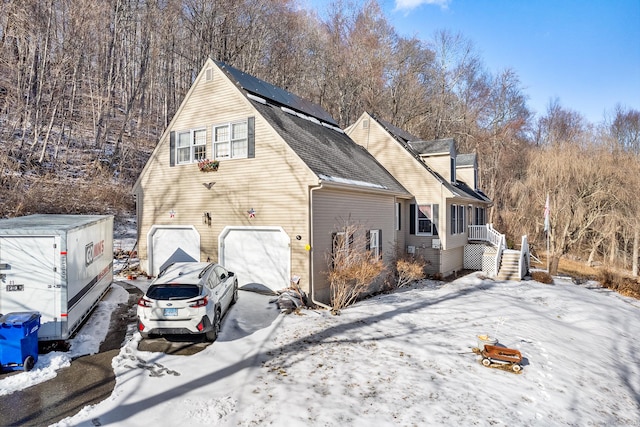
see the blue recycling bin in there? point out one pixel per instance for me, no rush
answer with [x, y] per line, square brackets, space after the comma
[19, 340]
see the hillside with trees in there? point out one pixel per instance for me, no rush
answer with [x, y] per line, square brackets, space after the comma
[86, 92]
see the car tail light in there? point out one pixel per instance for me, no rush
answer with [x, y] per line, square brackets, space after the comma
[200, 326]
[140, 326]
[202, 302]
[143, 302]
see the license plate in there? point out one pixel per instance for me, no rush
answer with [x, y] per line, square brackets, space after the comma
[170, 312]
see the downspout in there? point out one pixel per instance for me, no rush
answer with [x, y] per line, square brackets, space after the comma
[311, 280]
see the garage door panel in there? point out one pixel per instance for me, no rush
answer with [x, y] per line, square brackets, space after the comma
[172, 244]
[258, 256]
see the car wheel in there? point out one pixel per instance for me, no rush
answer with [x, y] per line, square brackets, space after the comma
[235, 294]
[212, 335]
[29, 363]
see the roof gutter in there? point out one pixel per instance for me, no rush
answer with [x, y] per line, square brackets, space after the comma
[312, 189]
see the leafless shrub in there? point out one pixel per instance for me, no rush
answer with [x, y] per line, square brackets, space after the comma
[542, 277]
[409, 270]
[352, 267]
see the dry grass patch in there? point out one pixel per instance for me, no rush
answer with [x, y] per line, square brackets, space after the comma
[618, 282]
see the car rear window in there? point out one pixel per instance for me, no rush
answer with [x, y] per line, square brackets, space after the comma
[172, 292]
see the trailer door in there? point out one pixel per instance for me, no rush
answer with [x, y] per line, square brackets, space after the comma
[28, 280]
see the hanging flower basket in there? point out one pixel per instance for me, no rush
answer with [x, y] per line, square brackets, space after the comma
[208, 165]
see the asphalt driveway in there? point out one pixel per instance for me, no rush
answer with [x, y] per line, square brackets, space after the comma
[90, 379]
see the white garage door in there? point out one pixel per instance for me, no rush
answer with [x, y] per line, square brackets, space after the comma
[172, 244]
[258, 255]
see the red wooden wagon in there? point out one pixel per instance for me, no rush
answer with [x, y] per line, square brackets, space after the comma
[492, 355]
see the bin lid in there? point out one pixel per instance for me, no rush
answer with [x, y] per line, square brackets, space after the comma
[18, 318]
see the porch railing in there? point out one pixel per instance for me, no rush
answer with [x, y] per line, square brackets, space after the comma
[487, 233]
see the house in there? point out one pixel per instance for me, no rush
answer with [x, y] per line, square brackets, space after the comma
[445, 221]
[255, 178]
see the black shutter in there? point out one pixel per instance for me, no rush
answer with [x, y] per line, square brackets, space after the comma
[412, 219]
[172, 149]
[368, 243]
[380, 242]
[251, 137]
[399, 216]
[435, 212]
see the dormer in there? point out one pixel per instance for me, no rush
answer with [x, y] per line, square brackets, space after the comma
[440, 155]
[467, 169]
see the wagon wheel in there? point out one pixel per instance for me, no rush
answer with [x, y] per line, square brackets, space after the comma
[28, 364]
[486, 362]
[516, 367]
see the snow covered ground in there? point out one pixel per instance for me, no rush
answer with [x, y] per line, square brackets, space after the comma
[398, 359]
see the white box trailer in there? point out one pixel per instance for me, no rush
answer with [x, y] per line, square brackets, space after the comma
[59, 265]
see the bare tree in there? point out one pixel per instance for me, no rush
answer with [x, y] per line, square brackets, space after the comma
[580, 194]
[625, 129]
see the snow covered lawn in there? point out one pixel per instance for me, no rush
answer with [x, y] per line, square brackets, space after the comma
[399, 359]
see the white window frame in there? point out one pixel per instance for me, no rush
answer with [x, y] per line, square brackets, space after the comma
[428, 218]
[374, 243]
[195, 148]
[341, 246]
[457, 219]
[480, 216]
[453, 215]
[233, 141]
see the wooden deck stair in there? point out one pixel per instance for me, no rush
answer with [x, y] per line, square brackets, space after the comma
[509, 269]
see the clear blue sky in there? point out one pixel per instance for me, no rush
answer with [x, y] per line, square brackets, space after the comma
[584, 53]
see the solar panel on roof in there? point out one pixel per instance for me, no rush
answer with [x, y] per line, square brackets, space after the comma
[261, 88]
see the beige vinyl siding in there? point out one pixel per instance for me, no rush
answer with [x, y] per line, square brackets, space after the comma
[452, 260]
[440, 163]
[425, 188]
[466, 174]
[331, 209]
[274, 183]
[413, 176]
[398, 161]
[423, 249]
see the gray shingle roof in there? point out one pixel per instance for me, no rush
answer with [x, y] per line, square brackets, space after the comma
[432, 147]
[396, 131]
[328, 151]
[466, 160]
[470, 192]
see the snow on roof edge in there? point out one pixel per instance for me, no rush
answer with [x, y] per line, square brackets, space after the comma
[351, 182]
